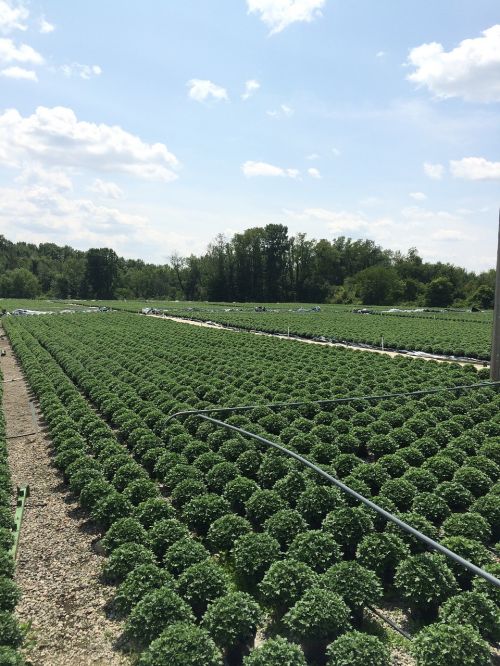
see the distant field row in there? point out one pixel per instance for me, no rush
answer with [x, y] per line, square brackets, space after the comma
[449, 333]
[452, 333]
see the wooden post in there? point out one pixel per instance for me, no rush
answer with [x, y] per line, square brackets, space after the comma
[495, 342]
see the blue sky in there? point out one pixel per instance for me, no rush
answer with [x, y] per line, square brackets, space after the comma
[150, 127]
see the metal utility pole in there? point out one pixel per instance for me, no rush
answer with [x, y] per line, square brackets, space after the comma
[495, 342]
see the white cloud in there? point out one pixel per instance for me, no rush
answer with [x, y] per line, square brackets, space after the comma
[336, 152]
[380, 54]
[12, 17]
[471, 70]
[45, 27]
[9, 52]
[347, 221]
[278, 14]
[19, 73]
[202, 90]
[107, 189]
[251, 169]
[251, 87]
[419, 214]
[449, 235]
[36, 174]
[312, 156]
[55, 137]
[83, 71]
[284, 111]
[434, 171]
[418, 196]
[314, 173]
[475, 168]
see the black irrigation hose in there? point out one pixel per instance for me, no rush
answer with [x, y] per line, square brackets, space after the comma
[391, 623]
[385, 396]
[433, 545]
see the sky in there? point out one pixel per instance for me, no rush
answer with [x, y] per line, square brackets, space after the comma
[151, 127]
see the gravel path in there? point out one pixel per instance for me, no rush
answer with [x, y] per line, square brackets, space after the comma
[57, 568]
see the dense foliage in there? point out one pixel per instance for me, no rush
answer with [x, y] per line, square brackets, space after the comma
[215, 533]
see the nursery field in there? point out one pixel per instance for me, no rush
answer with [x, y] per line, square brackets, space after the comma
[219, 547]
[449, 333]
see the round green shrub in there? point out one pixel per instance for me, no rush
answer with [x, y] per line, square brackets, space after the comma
[127, 473]
[284, 583]
[186, 490]
[450, 645]
[238, 491]
[418, 522]
[224, 531]
[358, 586]
[475, 609]
[382, 553]
[184, 553]
[316, 502]
[6, 564]
[425, 581]
[431, 506]
[474, 480]
[373, 474]
[124, 530]
[485, 587]
[111, 508]
[456, 496]
[348, 525]
[355, 647]
[233, 619]
[140, 490]
[422, 479]
[488, 506]
[10, 632]
[202, 583]
[152, 510]
[249, 462]
[10, 657]
[6, 538]
[399, 491]
[253, 554]
[9, 594]
[470, 550]
[93, 492]
[262, 504]
[140, 581]
[154, 613]
[315, 548]
[276, 652]
[206, 461]
[394, 465]
[124, 559]
[200, 512]
[274, 466]
[319, 615]
[285, 525]
[291, 486]
[182, 644]
[470, 525]
[164, 534]
[221, 474]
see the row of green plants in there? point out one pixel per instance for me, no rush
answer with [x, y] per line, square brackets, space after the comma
[274, 531]
[11, 634]
[449, 337]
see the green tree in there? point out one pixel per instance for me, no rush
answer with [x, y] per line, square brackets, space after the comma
[379, 285]
[439, 292]
[19, 283]
[483, 297]
[101, 271]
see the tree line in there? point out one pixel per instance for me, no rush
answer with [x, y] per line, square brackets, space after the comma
[261, 264]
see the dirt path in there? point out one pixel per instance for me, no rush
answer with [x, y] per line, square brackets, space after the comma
[57, 569]
[282, 336]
